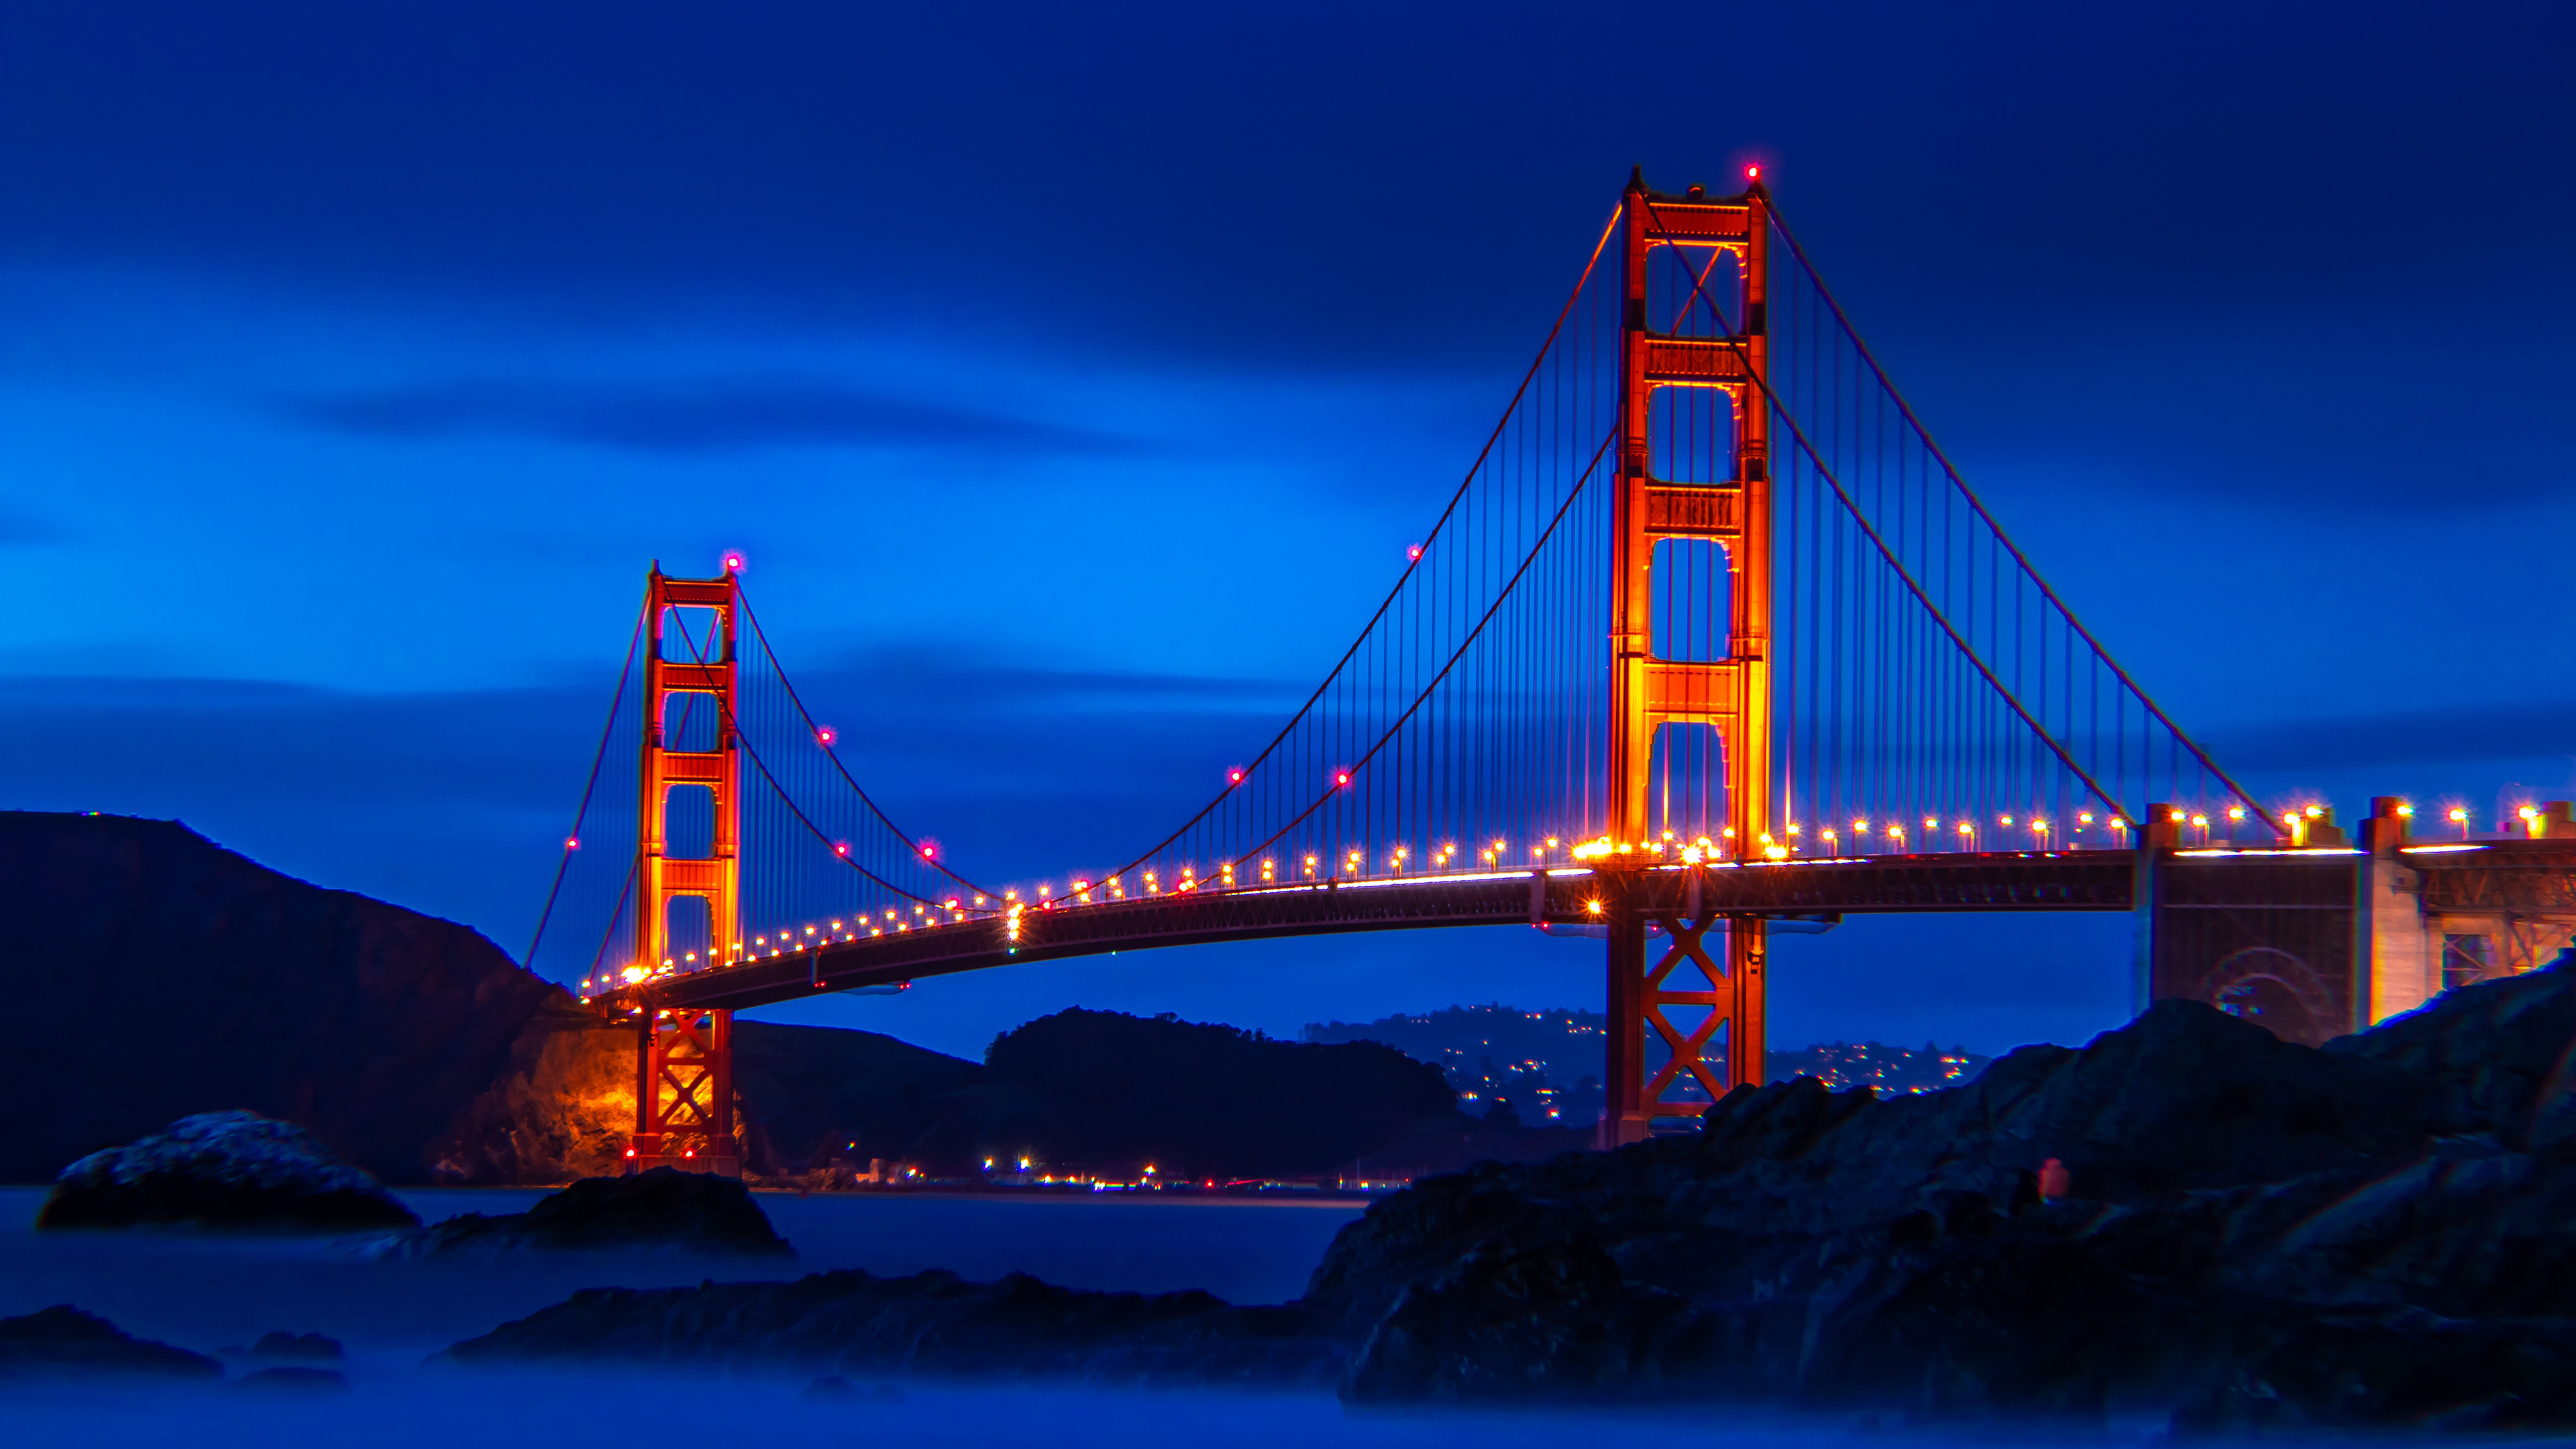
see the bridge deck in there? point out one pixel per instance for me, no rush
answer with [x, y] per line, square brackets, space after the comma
[2087, 880]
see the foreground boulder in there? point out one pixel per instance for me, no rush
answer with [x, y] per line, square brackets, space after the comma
[2254, 1234]
[665, 1208]
[931, 1323]
[222, 1170]
[62, 1342]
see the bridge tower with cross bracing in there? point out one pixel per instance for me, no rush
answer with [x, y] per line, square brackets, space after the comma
[1713, 965]
[684, 1057]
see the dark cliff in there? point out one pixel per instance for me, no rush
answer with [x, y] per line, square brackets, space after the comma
[154, 974]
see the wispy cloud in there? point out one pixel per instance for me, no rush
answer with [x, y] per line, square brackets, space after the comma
[709, 415]
[2529, 729]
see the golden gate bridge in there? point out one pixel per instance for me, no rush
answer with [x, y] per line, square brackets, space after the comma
[1710, 636]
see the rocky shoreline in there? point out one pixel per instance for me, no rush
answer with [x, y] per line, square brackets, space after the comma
[2252, 1234]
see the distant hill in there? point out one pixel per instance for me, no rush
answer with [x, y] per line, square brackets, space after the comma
[1545, 1066]
[1101, 1088]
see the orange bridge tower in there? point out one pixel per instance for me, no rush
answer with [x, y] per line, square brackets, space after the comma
[1648, 693]
[684, 1056]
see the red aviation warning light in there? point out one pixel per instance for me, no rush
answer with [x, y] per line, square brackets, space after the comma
[1412, 552]
[824, 735]
[841, 848]
[1234, 777]
[733, 561]
[1753, 171]
[929, 851]
[1341, 779]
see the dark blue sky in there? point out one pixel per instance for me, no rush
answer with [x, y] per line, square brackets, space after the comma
[356, 360]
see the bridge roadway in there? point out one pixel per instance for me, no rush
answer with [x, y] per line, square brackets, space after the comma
[2082, 880]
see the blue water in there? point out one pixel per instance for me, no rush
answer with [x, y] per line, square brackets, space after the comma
[215, 1293]
[205, 1292]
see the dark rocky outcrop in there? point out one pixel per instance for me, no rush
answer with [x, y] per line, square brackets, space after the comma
[225, 984]
[2254, 1235]
[63, 1342]
[222, 1170]
[663, 1209]
[933, 1323]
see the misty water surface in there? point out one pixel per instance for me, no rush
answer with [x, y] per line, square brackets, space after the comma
[212, 1293]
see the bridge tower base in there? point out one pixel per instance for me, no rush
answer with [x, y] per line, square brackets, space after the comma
[1664, 966]
[684, 1094]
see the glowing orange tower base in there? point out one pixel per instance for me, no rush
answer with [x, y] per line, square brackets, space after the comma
[685, 1071]
[684, 1058]
[1732, 695]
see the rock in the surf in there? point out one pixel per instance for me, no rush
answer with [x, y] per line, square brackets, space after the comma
[63, 1342]
[664, 1209]
[854, 1323]
[234, 1170]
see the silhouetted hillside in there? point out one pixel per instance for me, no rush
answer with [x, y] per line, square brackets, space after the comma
[1100, 1088]
[151, 974]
